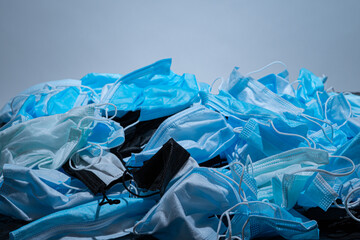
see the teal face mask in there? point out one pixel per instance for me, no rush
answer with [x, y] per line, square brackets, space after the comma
[47, 142]
[154, 90]
[202, 132]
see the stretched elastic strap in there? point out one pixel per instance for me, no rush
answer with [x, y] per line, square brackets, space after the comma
[265, 67]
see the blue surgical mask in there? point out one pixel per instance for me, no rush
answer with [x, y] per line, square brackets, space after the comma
[309, 85]
[202, 132]
[88, 221]
[13, 106]
[230, 106]
[97, 81]
[154, 90]
[49, 103]
[251, 91]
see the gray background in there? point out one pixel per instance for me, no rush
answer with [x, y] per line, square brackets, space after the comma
[42, 40]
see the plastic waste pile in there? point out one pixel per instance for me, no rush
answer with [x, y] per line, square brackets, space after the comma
[156, 153]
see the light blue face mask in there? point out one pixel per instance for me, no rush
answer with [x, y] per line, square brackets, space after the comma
[202, 132]
[227, 105]
[47, 142]
[88, 221]
[309, 85]
[278, 84]
[29, 194]
[338, 138]
[13, 106]
[255, 219]
[271, 137]
[251, 91]
[195, 200]
[50, 103]
[155, 90]
[97, 81]
[277, 171]
[354, 101]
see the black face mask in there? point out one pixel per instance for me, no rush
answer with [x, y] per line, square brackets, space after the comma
[135, 136]
[157, 172]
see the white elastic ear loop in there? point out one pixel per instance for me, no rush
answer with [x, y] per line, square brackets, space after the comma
[241, 179]
[95, 161]
[218, 78]
[331, 173]
[265, 67]
[290, 134]
[308, 117]
[98, 119]
[131, 125]
[347, 202]
[92, 91]
[330, 89]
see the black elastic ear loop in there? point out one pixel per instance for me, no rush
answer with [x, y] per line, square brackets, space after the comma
[109, 201]
[135, 194]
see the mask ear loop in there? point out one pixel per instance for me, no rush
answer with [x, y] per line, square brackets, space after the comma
[350, 113]
[265, 67]
[249, 160]
[97, 97]
[95, 161]
[347, 203]
[216, 79]
[309, 118]
[289, 134]
[229, 222]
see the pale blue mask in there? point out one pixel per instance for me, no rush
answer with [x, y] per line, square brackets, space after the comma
[88, 221]
[154, 90]
[279, 172]
[47, 142]
[251, 91]
[278, 83]
[227, 105]
[202, 132]
[195, 199]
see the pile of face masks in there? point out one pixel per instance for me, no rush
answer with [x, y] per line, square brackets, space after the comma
[155, 153]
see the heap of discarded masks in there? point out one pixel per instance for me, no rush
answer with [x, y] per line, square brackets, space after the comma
[156, 153]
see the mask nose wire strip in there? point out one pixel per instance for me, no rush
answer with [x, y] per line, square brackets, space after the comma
[290, 134]
[265, 67]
